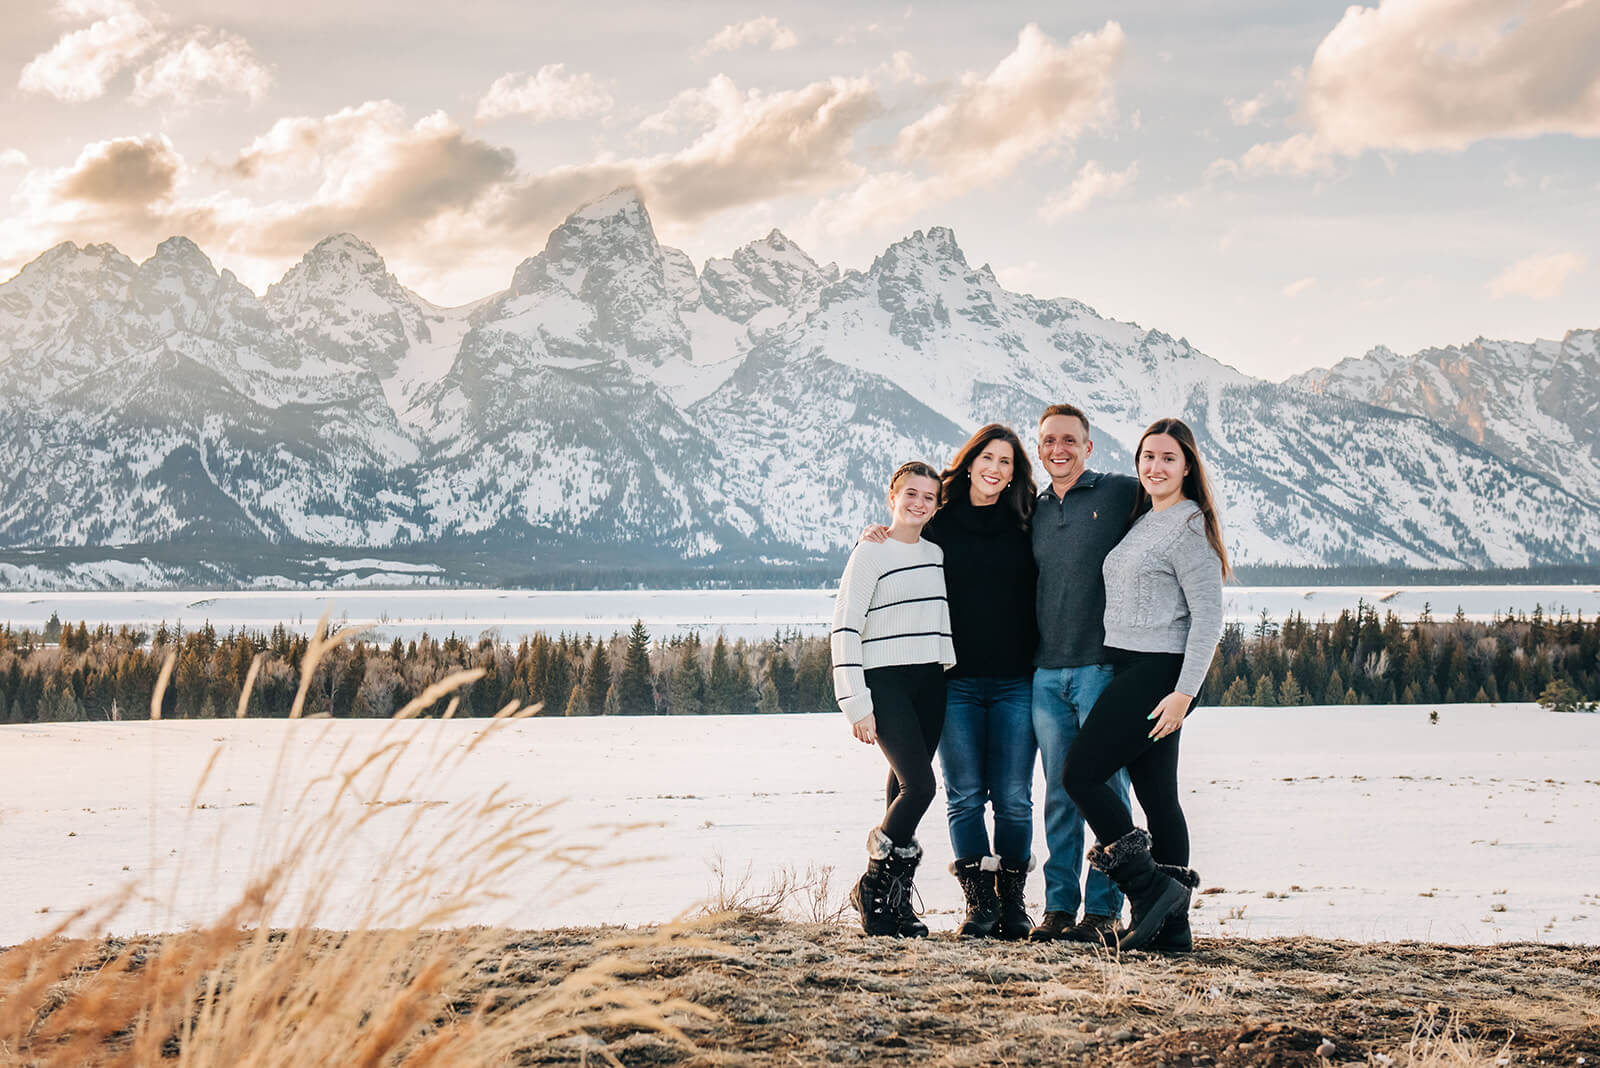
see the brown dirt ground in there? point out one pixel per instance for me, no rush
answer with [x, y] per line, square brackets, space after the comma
[758, 990]
[789, 993]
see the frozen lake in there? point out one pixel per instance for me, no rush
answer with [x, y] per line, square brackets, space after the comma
[1362, 823]
[510, 614]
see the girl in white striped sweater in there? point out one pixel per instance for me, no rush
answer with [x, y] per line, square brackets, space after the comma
[891, 643]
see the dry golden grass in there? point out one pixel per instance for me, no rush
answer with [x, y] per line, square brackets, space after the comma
[262, 986]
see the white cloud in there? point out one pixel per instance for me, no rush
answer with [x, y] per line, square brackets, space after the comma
[1244, 112]
[81, 64]
[1294, 289]
[764, 32]
[1300, 154]
[13, 157]
[548, 93]
[195, 65]
[1093, 181]
[1040, 94]
[1537, 277]
[207, 63]
[1439, 75]
[758, 146]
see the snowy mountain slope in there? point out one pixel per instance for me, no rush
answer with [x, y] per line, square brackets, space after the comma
[167, 406]
[906, 356]
[1535, 404]
[615, 403]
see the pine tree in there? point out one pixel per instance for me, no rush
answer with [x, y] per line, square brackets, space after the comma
[1237, 692]
[1266, 693]
[687, 695]
[597, 680]
[781, 675]
[720, 687]
[742, 695]
[1289, 692]
[52, 629]
[353, 674]
[189, 680]
[58, 704]
[634, 694]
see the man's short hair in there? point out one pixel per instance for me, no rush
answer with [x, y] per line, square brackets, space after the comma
[1067, 409]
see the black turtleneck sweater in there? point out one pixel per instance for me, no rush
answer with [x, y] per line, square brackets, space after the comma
[989, 577]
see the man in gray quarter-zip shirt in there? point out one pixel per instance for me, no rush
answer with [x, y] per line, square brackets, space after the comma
[1079, 518]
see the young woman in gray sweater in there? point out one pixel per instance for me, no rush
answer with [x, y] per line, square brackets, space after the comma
[1163, 619]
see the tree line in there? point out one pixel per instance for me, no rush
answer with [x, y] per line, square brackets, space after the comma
[71, 673]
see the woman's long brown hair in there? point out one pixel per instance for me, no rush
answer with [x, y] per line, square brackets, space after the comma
[1019, 497]
[1196, 484]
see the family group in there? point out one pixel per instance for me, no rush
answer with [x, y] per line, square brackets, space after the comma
[992, 622]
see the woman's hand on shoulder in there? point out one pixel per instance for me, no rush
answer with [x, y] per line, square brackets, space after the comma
[875, 533]
[1169, 714]
[866, 729]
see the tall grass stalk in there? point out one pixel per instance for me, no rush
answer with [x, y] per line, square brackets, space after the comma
[262, 985]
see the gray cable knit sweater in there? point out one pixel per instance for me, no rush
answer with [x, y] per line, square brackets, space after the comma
[1164, 591]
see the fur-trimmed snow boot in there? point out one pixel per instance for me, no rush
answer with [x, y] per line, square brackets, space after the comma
[905, 860]
[1152, 894]
[871, 893]
[1175, 936]
[1010, 885]
[976, 876]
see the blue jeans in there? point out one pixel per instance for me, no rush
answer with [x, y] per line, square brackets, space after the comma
[986, 752]
[1062, 700]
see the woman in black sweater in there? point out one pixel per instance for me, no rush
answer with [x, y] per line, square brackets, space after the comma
[987, 748]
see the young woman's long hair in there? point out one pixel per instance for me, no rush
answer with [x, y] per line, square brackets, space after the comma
[1019, 497]
[1196, 484]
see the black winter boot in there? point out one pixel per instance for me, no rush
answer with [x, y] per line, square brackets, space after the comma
[1010, 884]
[1094, 929]
[905, 860]
[976, 876]
[1152, 894]
[870, 895]
[1174, 936]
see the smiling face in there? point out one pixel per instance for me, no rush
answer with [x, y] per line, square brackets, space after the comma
[991, 472]
[1064, 449]
[911, 505]
[1162, 467]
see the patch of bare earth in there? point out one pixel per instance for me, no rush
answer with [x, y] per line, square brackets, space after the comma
[785, 993]
[756, 990]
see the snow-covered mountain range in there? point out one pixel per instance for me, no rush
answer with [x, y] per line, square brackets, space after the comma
[615, 403]
[1536, 404]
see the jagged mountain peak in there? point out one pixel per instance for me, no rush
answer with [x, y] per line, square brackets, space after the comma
[623, 203]
[68, 258]
[334, 267]
[179, 249]
[346, 244]
[936, 243]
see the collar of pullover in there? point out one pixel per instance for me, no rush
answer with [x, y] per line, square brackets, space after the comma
[1086, 481]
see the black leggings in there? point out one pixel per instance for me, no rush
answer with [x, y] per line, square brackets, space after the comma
[908, 705]
[1117, 735]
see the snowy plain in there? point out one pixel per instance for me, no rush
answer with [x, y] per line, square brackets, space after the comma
[1368, 823]
[750, 614]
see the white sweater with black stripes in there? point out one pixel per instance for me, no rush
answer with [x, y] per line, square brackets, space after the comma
[891, 609]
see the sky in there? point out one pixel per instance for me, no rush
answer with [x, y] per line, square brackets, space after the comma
[1284, 184]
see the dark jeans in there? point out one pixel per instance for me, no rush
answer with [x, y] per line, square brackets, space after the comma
[1117, 735]
[987, 753]
[908, 706]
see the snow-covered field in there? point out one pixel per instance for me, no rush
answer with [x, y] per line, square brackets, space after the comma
[739, 613]
[1362, 823]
